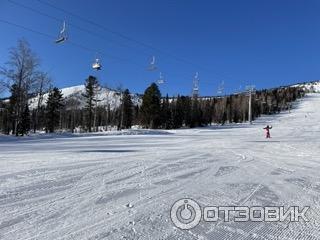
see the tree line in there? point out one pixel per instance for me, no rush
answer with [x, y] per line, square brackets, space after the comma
[185, 111]
[24, 79]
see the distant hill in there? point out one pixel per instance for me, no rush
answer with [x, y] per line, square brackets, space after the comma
[313, 86]
[111, 97]
[105, 97]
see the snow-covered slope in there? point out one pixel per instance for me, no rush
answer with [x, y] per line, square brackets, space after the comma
[122, 187]
[313, 86]
[105, 97]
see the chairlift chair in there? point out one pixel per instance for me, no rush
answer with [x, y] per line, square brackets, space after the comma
[63, 34]
[152, 66]
[196, 76]
[96, 65]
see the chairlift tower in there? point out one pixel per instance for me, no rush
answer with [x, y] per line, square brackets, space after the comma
[250, 90]
[195, 87]
[221, 89]
[161, 79]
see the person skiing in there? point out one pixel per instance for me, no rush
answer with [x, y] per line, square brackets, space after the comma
[267, 128]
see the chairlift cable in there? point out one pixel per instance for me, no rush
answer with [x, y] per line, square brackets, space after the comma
[69, 42]
[92, 33]
[83, 29]
[81, 46]
[129, 38]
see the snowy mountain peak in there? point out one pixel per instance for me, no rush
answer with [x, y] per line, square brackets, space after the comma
[108, 97]
[105, 96]
[313, 86]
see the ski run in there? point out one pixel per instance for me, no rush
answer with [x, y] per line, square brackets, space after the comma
[107, 186]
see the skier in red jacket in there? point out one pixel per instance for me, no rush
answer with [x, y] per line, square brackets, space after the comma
[267, 128]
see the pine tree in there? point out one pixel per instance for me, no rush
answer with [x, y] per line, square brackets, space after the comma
[178, 113]
[91, 86]
[195, 114]
[24, 124]
[207, 112]
[187, 110]
[229, 110]
[151, 108]
[127, 110]
[4, 118]
[166, 114]
[54, 105]
[13, 114]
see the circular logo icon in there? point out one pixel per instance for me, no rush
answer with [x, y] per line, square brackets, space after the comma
[185, 213]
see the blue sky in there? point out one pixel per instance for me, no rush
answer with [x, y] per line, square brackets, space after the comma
[265, 43]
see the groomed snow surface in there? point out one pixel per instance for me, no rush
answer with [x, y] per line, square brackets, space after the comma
[122, 187]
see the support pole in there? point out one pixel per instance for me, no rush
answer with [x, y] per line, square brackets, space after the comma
[250, 90]
[250, 107]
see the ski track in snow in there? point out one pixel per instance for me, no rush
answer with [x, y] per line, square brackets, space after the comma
[122, 187]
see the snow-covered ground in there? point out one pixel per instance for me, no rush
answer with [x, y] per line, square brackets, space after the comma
[311, 86]
[122, 187]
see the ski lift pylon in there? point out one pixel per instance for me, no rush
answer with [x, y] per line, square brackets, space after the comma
[62, 34]
[221, 88]
[195, 87]
[161, 79]
[196, 82]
